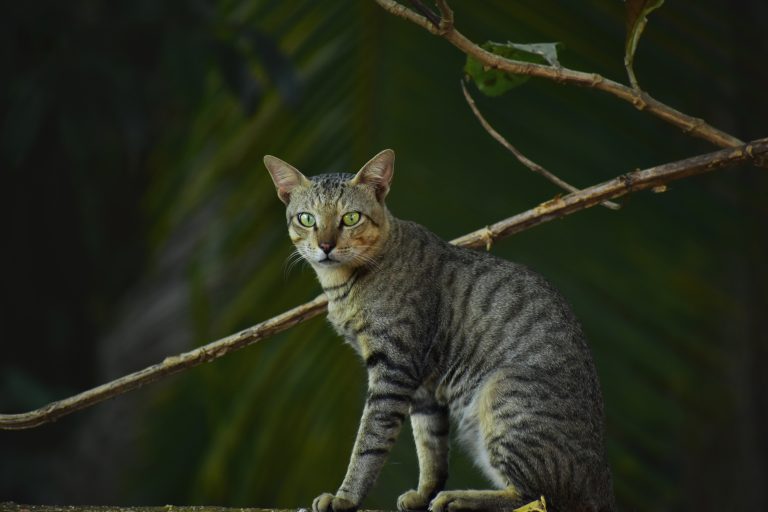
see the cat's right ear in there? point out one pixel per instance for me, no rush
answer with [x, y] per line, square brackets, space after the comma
[378, 173]
[285, 176]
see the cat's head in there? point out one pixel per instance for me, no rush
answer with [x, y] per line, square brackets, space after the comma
[336, 220]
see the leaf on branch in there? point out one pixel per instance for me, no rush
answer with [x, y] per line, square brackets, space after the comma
[636, 12]
[493, 82]
[548, 51]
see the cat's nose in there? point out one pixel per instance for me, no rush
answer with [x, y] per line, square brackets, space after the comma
[327, 247]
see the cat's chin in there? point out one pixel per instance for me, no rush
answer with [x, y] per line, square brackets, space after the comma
[327, 264]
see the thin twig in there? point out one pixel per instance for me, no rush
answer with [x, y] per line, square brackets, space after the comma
[426, 12]
[553, 209]
[446, 16]
[641, 100]
[521, 157]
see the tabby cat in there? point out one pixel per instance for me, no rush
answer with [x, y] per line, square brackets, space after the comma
[449, 333]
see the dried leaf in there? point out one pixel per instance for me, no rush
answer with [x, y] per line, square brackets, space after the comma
[546, 50]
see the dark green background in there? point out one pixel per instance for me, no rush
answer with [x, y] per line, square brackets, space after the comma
[138, 222]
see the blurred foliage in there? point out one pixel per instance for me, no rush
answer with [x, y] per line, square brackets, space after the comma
[131, 131]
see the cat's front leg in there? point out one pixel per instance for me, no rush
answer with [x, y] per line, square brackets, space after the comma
[386, 406]
[430, 425]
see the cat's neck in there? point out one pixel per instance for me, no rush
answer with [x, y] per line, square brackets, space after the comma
[334, 277]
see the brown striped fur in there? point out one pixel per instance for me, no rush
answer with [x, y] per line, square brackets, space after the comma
[450, 334]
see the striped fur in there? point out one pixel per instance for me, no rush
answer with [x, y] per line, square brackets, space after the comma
[451, 335]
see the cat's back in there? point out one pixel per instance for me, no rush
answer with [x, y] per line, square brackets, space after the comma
[477, 282]
[494, 312]
[460, 294]
[505, 329]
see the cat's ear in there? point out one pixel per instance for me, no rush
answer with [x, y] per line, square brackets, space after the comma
[377, 172]
[285, 176]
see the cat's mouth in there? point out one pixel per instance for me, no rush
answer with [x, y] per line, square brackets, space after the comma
[327, 261]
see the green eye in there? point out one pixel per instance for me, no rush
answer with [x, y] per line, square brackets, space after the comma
[306, 219]
[351, 218]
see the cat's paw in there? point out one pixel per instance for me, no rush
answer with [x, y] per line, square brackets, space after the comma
[327, 502]
[412, 500]
[448, 501]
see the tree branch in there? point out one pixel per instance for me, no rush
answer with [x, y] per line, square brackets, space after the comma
[168, 366]
[17, 507]
[521, 157]
[535, 506]
[622, 185]
[426, 12]
[549, 210]
[641, 100]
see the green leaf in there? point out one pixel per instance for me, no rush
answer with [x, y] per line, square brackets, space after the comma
[636, 12]
[494, 82]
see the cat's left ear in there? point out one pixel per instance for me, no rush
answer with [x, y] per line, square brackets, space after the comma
[285, 176]
[377, 172]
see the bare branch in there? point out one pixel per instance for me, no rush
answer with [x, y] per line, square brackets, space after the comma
[446, 16]
[535, 506]
[521, 157]
[641, 100]
[652, 178]
[168, 366]
[553, 209]
[18, 507]
[426, 12]
[400, 10]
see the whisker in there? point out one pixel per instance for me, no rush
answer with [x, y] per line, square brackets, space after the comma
[365, 259]
[293, 259]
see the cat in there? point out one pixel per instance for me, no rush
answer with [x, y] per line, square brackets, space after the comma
[448, 333]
